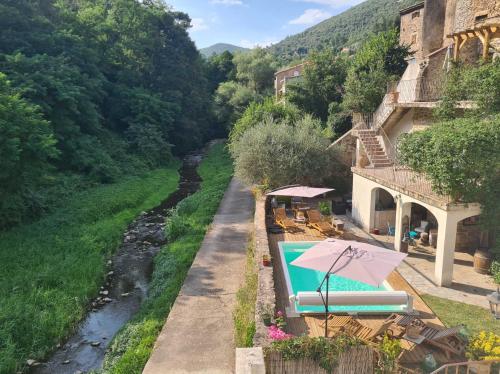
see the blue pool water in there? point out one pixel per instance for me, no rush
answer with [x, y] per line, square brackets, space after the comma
[302, 279]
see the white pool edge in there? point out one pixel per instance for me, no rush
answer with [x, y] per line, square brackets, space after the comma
[293, 312]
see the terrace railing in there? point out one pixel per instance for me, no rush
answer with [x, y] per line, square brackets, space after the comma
[470, 367]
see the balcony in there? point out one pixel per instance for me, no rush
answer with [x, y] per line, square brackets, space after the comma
[405, 180]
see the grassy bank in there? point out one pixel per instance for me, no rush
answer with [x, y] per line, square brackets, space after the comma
[244, 313]
[453, 313]
[50, 269]
[185, 230]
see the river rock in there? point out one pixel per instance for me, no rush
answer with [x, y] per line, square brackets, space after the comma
[95, 344]
[110, 273]
[66, 362]
[30, 362]
[107, 300]
[125, 294]
[105, 292]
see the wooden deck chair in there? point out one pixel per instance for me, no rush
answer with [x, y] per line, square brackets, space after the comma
[282, 220]
[336, 323]
[367, 334]
[315, 221]
[446, 339]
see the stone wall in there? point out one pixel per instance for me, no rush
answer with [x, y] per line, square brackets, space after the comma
[434, 20]
[466, 12]
[266, 297]
[468, 237]
[411, 31]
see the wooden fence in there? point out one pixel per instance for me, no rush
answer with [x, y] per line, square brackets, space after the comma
[358, 360]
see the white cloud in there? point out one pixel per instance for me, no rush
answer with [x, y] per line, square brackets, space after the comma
[333, 3]
[310, 17]
[227, 2]
[198, 24]
[252, 44]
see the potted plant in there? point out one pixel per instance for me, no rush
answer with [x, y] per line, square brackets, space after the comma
[267, 315]
[266, 260]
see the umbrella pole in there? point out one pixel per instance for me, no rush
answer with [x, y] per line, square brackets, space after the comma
[327, 279]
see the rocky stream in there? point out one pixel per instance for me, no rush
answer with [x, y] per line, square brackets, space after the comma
[126, 285]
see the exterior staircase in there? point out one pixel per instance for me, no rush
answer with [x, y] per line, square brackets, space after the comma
[374, 149]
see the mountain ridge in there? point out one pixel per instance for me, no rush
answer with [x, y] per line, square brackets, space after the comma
[219, 48]
[344, 30]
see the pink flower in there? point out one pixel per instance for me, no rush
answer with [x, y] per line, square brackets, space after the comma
[275, 333]
[280, 313]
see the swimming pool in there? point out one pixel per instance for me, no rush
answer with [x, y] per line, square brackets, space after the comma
[300, 280]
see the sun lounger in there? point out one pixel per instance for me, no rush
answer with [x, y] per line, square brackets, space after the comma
[446, 339]
[365, 333]
[282, 220]
[336, 323]
[315, 221]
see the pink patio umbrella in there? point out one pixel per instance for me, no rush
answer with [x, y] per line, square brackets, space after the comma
[350, 259]
[300, 191]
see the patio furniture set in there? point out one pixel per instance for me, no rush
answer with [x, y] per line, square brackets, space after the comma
[309, 217]
[407, 327]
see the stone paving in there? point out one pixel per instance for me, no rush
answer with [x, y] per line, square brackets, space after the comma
[418, 269]
[198, 334]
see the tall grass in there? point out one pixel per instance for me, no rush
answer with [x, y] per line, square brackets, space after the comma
[244, 312]
[50, 269]
[186, 229]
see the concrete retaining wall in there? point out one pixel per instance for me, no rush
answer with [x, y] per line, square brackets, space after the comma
[266, 298]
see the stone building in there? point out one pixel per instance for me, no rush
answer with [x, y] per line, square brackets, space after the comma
[391, 197]
[284, 76]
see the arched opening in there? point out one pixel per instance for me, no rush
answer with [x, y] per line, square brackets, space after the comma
[383, 212]
[422, 225]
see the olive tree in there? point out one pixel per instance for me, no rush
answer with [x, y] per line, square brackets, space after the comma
[278, 153]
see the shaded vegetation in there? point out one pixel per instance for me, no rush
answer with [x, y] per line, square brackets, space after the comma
[107, 89]
[52, 268]
[186, 229]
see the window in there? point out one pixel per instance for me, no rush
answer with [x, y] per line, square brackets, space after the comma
[415, 14]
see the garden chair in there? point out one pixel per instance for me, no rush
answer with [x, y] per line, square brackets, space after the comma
[315, 221]
[282, 220]
[367, 334]
[336, 323]
[391, 230]
[445, 339]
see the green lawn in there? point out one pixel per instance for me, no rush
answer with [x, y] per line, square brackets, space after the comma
[185, 230]
[50, 269]
[453, 313]
[244, 313]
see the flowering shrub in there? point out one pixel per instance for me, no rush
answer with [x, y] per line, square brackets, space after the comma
[275, 333]
[484, 346]
[280, 319]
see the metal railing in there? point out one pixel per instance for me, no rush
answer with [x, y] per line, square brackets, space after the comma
[405, 180]
[476, 367]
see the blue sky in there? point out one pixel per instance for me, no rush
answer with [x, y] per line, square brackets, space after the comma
[248, 23]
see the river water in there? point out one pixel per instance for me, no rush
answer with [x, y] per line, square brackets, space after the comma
[126, 286]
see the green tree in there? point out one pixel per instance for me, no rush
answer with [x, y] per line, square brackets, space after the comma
[276, 154]
[461, 157]
[321, 84]
[230, 101]
[379, 61]
[220, 68]
[26, 147]
[256, 70]
[257, 112]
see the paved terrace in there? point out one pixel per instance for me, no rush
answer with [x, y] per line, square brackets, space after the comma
[312, 325]
[198, 334]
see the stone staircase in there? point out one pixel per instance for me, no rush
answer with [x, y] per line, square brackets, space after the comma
[374, 149]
